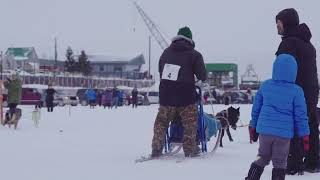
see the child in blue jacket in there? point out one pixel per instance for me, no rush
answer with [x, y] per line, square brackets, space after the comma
[278, 114]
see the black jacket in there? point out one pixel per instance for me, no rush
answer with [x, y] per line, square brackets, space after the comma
[134, 94]
[50, 96]
[296, 42]
[181, 92]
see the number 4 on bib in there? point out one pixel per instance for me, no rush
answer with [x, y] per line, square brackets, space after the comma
[170, 72]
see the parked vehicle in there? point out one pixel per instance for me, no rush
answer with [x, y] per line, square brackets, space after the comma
[71, 100]
[141, 99]
[65, 97]
[58, 101]
[236, 97]
[29, 96]
[67, 100]
[152, 97]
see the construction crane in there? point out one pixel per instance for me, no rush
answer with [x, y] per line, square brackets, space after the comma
[250, 79]
[154, 30]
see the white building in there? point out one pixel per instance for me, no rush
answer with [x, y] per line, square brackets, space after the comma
[23, 58]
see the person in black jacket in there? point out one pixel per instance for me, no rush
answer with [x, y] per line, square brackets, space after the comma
[134, 98]
[177, 92]
[115, 98]
[50, 97]
[296, 41]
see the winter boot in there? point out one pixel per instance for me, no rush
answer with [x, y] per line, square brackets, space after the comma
[194, 153]
[291, 172]
[156, 153]
[315, 170]
[297, 168]
[255, 172]
[278, 174]
[310, 169]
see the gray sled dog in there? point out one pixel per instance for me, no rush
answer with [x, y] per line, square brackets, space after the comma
[13, 119]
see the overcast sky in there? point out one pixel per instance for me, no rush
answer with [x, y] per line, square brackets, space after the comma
[241, 32]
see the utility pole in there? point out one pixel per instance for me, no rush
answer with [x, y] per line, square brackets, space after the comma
[34, 67]
[1, 65]
[149, 72]
[1, 95]
[55, 59]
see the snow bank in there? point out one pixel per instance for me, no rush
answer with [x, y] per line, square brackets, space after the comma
[99, 144]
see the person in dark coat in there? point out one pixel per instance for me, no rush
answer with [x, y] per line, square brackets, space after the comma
[249, 96]
[50, 97]
[134, 95]
[296, 41]
[99, 97]
[178, 65]
[115, 97]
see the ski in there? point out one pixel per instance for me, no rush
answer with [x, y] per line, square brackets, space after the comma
[180, 160]
[149, 158]
[144, 159]
[244, 125]
[201, 156]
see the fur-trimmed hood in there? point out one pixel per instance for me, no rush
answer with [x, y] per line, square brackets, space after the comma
[182, 43]
[180, 37]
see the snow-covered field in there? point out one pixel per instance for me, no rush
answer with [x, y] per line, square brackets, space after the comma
[102, 144]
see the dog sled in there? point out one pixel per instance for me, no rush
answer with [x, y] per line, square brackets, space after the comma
[209, 132]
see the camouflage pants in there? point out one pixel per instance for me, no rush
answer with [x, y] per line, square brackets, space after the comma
[189, 120]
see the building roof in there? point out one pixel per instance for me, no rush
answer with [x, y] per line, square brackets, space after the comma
[96, 59]
[20, 53]
[50, 62]
[221, 66]
[138, 60]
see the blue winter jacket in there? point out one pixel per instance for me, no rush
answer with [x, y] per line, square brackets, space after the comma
[279, 106]
[91, 94]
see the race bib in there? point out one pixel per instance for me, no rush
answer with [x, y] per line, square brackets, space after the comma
[170, 72]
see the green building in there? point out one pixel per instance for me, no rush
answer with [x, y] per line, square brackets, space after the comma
[222, 75]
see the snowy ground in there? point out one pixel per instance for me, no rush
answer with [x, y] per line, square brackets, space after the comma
[102, 144]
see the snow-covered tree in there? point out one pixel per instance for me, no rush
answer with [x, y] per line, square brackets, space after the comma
[84, 66]
[70, 63]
